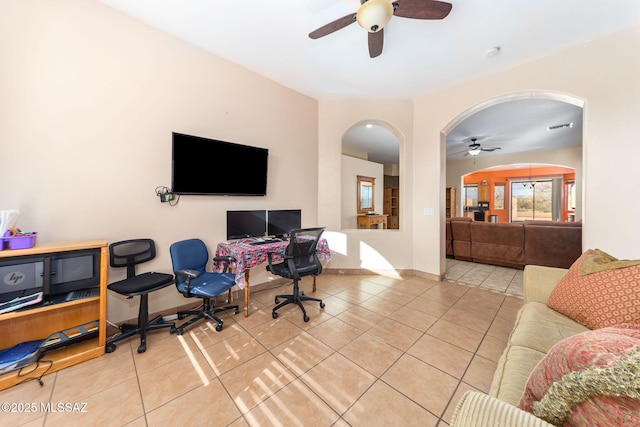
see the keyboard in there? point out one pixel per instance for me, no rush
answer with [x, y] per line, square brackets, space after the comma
[20, 302]
[79, 294]
[264, 242]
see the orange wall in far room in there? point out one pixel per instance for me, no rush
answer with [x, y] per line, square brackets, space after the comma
[507, 175]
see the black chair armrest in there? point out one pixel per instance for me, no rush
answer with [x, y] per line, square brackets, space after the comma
[188, 275]
[270, 260]
[226, 260]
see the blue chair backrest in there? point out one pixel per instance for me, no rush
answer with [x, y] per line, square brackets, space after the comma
[189, 254]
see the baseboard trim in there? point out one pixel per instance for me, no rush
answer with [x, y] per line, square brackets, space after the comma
[388, 273]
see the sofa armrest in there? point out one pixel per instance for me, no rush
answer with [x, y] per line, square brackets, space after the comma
[481, 410]
[539, 281]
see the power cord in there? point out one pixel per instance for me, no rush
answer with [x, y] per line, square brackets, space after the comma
[166, 195]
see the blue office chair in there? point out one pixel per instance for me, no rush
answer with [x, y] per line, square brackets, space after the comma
[129, 253]
[300, 259]
[189, 259]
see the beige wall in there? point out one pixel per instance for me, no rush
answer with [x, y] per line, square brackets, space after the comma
[368, 249]
[600, 74]
[88, 100]
[604, 74]
[89, 97]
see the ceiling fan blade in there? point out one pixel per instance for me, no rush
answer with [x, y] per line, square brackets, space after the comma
[375, 43]
[333, 26]
[421, 9]
[490, 148]
[466, 153]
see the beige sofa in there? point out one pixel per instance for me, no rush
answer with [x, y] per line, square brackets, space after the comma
[537, 328]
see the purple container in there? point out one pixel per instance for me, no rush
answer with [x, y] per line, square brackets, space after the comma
[21, 241]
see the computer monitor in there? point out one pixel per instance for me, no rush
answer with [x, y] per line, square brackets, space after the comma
[281, 222]
[73, 271]
[243, 224]
[21, 277]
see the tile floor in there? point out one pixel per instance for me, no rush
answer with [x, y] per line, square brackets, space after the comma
[384, 351]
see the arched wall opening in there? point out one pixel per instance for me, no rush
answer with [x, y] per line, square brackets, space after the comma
[572, 157]
[372, 148]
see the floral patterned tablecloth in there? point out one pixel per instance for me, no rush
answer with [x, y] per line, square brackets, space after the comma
[249, 256]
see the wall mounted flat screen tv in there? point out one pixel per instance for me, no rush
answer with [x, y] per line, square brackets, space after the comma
[209, 166]
[243, 224]
[281, 222]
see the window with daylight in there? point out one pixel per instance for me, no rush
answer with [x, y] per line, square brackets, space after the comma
[531, 200]
[470, 196]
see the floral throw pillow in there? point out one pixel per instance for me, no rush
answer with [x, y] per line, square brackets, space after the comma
[589, 379]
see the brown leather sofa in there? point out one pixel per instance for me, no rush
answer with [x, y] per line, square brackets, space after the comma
[461, 238]
[547, 243]
[553, 244]
[497, 244]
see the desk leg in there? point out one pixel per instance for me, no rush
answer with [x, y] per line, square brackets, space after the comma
[246, 292]
[314, 283]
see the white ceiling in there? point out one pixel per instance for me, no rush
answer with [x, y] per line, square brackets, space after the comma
[419, 56]
[518, 126]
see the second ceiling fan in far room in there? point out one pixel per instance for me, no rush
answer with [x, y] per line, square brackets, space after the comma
[373, 15]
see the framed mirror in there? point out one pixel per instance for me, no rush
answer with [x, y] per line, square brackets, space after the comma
[366, 187]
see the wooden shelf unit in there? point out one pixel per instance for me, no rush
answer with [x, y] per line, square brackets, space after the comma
[391, 207]
[40, 322]
[450, 204]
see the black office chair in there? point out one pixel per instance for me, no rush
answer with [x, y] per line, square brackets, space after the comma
[300, 259]
[189, 258]
[129, 253]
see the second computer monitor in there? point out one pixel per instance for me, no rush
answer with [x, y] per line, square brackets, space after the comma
[281, 222]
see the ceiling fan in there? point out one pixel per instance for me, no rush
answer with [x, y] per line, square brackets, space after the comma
[475, 148]
[373, 15]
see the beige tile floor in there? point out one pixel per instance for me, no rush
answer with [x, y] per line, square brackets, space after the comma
[384, 351]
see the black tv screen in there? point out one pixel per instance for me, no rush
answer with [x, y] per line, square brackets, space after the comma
[209, 166]
[281, 222]
[243, 224]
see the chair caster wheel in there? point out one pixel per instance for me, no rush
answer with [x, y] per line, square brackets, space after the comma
[181, 316]
[172, 330]
[305, 318]
[276, 300]
[236, 311]
[218, 328]
[321, 305]
[178, 332]
[142, 348]
[109, 348]
[274, 315]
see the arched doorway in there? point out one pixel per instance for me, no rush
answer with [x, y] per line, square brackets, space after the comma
[570, 155]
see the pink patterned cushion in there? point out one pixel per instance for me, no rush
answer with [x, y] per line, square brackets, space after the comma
[606, 297]
[589, 379]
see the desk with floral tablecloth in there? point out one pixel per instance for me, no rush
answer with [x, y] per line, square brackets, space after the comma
[248, 256]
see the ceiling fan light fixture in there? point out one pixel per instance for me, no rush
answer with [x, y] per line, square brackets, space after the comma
[474, 151]
[492, 52]
[373, 15]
